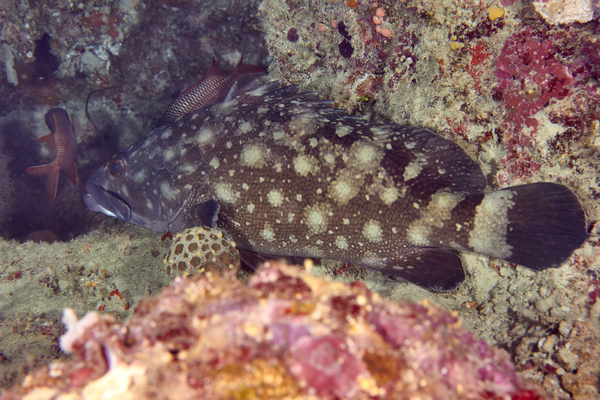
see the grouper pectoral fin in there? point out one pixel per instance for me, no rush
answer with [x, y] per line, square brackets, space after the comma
[437, 270]
[205, 213]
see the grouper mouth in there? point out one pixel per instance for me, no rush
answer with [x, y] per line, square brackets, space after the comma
[101, 200]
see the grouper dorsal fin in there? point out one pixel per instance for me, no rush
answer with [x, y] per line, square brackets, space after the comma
[428, 162]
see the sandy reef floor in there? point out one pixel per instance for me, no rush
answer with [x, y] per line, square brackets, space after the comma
[545, 320]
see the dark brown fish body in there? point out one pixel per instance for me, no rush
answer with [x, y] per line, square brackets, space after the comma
[285, 174]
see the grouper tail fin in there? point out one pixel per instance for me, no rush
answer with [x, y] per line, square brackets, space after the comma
[537, 225]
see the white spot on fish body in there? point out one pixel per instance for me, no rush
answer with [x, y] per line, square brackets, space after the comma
[267, 232]
[169, 154]
[305, 165]
[343, 130]
[316, 218]
[245, 127]
[365, 156]
[275, 197]
[254, 156]
[167, 192]
[343, 190]
[372, 231]
[188, 169]
[166, 134]
[250, 208]
[389, 195]
[490, 225]
[214, 163]
[414, 168]
[140, 176]
[205, 137]
[378, 130]
[418, 235]
[341, 242]
[226, 193]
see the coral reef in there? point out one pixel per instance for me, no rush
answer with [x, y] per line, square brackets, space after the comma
[561, 358]
[6, 189]
[427, 63]
[107, 271]
[520, 96]
[286, 334]
[448, 67]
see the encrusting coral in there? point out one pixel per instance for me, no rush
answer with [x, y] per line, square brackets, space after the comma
[285, 334]
[199, 249]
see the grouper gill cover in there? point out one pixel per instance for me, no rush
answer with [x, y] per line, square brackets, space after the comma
[285, 174]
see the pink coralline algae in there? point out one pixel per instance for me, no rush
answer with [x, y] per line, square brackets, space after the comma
[285, 334]
[530, 76]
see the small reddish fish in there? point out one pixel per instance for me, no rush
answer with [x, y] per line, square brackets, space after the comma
[211, 90]
[62, 141]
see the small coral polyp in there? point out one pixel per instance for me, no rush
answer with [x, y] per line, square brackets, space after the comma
[199, 249]
[285, 334]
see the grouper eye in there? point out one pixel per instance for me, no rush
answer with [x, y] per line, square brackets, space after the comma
[116, 167]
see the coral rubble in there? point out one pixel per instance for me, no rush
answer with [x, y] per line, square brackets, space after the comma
[286, 334]
[567, 11]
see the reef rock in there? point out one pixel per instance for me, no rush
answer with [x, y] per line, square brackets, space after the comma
[284, 334]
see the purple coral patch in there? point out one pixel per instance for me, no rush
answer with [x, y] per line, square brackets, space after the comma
[292, 35]
[346, 49]
[530, 76]
[326, 366]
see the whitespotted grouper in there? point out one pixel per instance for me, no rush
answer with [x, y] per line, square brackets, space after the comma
[285, 174]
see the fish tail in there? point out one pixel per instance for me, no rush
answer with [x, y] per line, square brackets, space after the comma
[52, 172]
[537, 225]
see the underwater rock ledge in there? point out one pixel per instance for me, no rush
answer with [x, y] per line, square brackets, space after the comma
[285, 334]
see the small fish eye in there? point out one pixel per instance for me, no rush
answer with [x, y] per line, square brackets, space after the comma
[116, 167]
